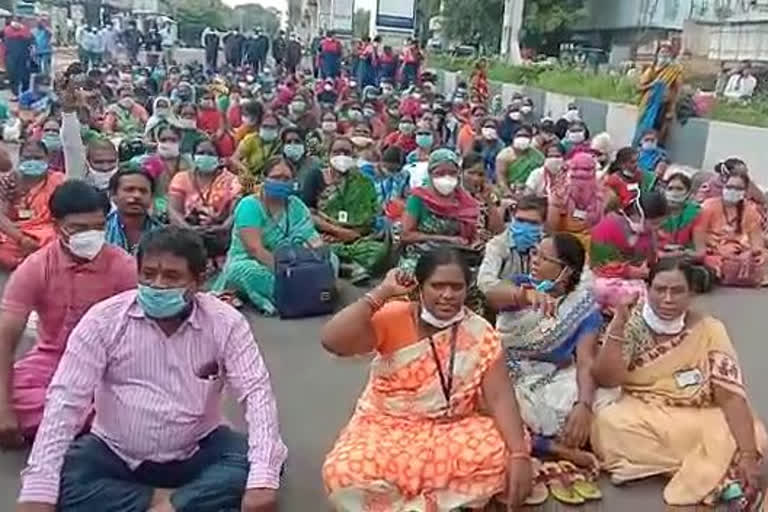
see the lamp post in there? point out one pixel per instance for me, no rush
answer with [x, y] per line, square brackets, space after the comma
[510, 33]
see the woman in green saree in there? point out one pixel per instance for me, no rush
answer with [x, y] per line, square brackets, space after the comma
[344, 208]
[264, 221]
[515, 163]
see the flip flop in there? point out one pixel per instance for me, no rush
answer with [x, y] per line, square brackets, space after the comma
[582, 481]
[559, 487]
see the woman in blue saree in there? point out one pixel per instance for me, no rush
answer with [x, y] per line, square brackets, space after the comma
[549, 324]
[659, 87]
[650, 155]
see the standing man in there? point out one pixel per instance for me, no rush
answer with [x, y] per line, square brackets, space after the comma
[99, 47]
[60, 282]
[18, 54]
[249, 50]
[330, 56]
[233, 48]
[293, 52]
[211, 40]
[132, 40]
[278, 49]
[109, 35]
[262, 49]
[412, 58]
[43, 47]
[155, 362]
[168, 39]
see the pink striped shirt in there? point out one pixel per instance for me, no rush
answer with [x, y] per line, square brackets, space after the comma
[152, 401]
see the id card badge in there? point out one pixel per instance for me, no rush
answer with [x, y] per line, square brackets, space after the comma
[579, 214]
[633, 187]
[25, 213]
[688, 378]
[343, 216]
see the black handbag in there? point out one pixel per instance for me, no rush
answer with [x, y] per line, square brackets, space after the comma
[305, 282]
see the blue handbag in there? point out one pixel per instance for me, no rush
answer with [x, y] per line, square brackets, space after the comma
[305, 282]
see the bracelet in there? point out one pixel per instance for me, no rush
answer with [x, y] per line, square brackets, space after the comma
[610, 336]
[741, 455]
[520, 456]
[374, 303]
[584, 403]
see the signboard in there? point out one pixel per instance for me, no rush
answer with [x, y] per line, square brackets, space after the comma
[342, 12]
[395, 14]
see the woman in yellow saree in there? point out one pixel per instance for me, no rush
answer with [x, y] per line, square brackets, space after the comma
[418, 440]
[659, 87]
[684, 410]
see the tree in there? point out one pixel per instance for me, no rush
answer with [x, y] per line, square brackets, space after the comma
[194, 15]
[477, 22]
[361, 23]
[250, 16]
[546, 23]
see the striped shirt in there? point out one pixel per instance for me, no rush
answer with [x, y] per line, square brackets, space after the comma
[156, 396]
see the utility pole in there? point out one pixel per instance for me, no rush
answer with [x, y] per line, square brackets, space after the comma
[510, 33]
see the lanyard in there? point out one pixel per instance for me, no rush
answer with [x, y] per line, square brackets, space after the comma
[446, 381]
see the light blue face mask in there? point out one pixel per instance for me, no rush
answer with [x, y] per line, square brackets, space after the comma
[293, 151]
[52, 141]
[33, 168]
[206, 163]
[162, 302]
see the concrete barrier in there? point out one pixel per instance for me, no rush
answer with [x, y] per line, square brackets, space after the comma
[700, 143]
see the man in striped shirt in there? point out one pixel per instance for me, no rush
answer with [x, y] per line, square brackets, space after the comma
[155, 361]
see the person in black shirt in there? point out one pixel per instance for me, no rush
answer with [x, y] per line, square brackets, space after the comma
[278, 49]
[211, 40]
[262, 49]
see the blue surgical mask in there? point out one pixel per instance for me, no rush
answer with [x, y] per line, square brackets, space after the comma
[206, 163]
[523, 236]
[52, 141]
[33, 168]
[278, 189]
[424, 141]
[268, 134]
[162, 302]
[293, 151]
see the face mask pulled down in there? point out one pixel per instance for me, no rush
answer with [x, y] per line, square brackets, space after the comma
[430, 319]
[661, 326]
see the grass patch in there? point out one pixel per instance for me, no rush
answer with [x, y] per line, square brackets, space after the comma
[572, 82]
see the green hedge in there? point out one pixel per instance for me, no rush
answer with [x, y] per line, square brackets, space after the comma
[618, 89]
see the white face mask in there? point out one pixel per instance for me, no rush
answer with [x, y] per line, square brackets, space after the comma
[661, 326]
[526, 109]
[168, 149]
[521, 143]
[329, 126]
[430, 319]
[342, 163]
[445, 185]
[100, 179]
[86, 245]
[553, 164]
[515, 116]
[489, 133]
[576, 137]
[732, 196]
[649, 144]
[676, 197]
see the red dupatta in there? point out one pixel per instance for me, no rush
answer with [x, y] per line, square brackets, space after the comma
[460, 206]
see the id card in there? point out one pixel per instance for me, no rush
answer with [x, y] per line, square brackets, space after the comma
[633, 187]
[25, 213]
[343, 216]
[687, 378]
[579, 214]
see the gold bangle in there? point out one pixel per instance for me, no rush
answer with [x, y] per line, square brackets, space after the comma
[610, 336]
[520, 456]
[374, 303]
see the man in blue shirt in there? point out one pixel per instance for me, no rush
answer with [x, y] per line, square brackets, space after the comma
[43, 47]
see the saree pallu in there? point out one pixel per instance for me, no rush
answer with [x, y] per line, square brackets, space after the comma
[405, 449]
[352, 203]
[520, 168]
[666, 422]
[677, 229]
[655, 102]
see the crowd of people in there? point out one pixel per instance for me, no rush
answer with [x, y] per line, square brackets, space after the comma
[533, 326]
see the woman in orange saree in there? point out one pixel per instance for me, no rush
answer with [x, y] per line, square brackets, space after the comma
[684, 412]
[25, 219]
[419, 439]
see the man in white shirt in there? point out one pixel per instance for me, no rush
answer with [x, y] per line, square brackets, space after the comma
[168, 39]
[742, 84]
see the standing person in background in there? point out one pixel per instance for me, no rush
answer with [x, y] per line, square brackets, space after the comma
[109, 35]
[659, 86]
[366, 67]
[330, 56]
[98, 47]
[43, 47]
[168, 41]
[132, 40]
[249, 50]
[387, 65]
[412, 58]
[262, 49]
[233, 48]
[82, 55]
[293, 52]
[278, 49]
[18, 47]
[210, 41]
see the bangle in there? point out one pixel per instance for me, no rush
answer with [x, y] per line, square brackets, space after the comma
[747, 454]
[610, 336]
[584, 403]
[520, 456]
[374, 303]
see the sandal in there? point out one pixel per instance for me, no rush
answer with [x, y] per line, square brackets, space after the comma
[539, 492]
[559, 486]
[582, 481]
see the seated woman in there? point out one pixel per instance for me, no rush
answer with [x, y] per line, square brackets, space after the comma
[713, 187]
[425, 142]
[676, 232]
[51, 139]
[419, 438]
[25, 218]
[623, 181]
[515, 163]
[651, 159]
[550, 355]
[169, 151]
[575, 200]
[264, 221]
[186, 121]
[255, 150]
[404, 137]
[344, 209]
[729, 235]
[127, 116]
[684, 410]
[488, 145]
[295, 150]
[391, 183]
[622, 248]
[205, 198]
[541, 180]
[576, 139]
[439, 213]
[161, 113]
[490, 221]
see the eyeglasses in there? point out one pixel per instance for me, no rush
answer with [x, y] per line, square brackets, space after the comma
[538, 254]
